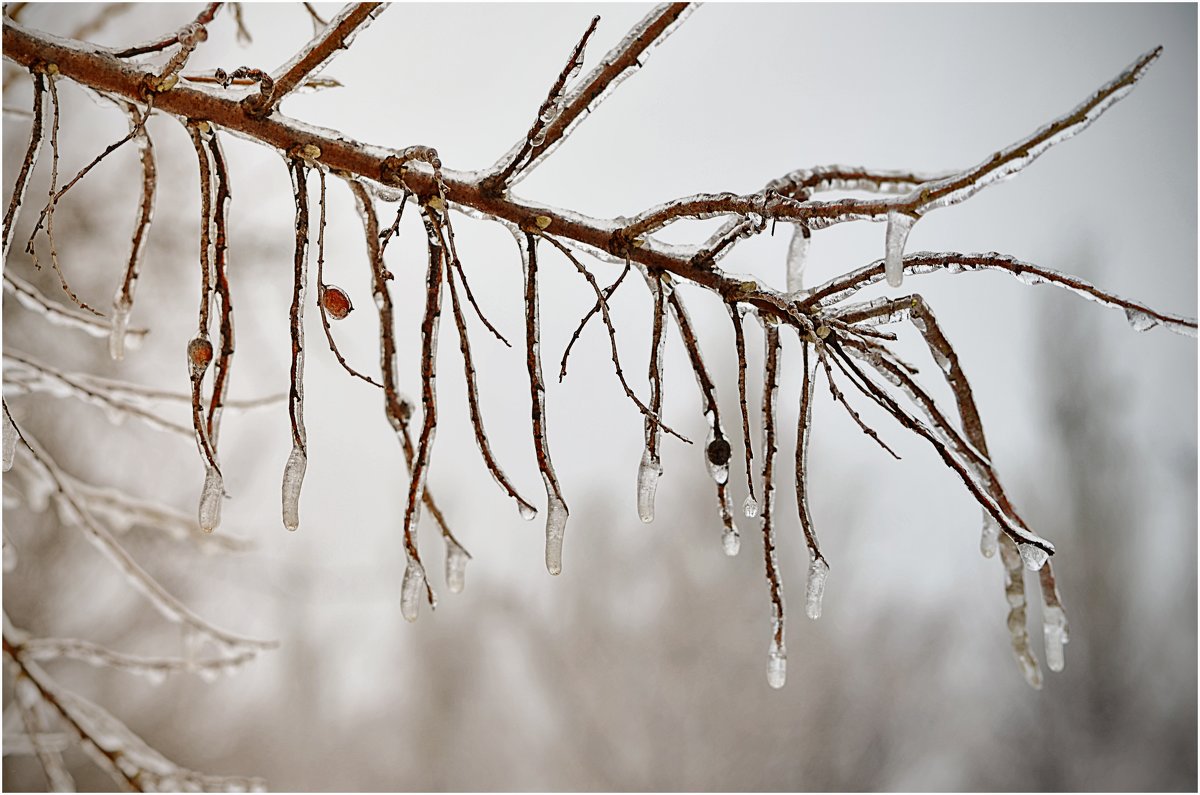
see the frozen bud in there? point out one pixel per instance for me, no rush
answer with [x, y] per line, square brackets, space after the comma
[199, 353]
[335, 301]
[310, 152]
[204, 127]
[167, 83]
[823, 331]
[543, 221]
[437, 203]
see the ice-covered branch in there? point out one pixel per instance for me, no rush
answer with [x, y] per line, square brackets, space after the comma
[339, 33]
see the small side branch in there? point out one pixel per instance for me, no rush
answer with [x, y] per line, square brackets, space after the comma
[338, 34]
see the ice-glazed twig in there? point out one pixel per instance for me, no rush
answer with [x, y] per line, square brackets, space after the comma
[1140, 316]
[549, 111]
[154, 668]
[121, 754]
[777, 656]
[841, 398]
[330, 298]
[336, 36]
[27, 163]
[447, 231]
[596, 307]
[30, 705]
[717, 450]
[1054, 619]
[170, 607]
[56, 314]
[1014, 592]
[802, 183]
[646, 411]
[803, 435]
[556, 508]
[297, 463]
[220, 224]
[415, 579]
[1027, 540]
[123, 299]
[170, 40]
[592, 89]
[739, 341]
[29, 375]
[527, 510]
[650, 469]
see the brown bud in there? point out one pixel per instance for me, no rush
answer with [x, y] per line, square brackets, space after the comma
[199, 353]
[336, 302]
[719, 452]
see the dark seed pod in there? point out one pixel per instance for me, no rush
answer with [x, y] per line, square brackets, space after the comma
[200, 354]
[719, 452]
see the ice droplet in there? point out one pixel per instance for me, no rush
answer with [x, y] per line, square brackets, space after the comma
[1140, 321]
[898, 227]
[989, 539]
[411, 590]
[456, 566]
[293, 479]
[10, 441]
[731, 541]
[527, 511]
[817, 571]
[1035, 557]
[551, 112]
[1054, 628]
[538, 138]
[776, 665]
[210, 500]
[750, 506]
[120, 321]
[797, 255]
[556, 527]
[649, 472]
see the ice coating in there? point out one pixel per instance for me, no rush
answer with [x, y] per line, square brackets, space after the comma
[989, 539]
[817, 571]
[898, 227]
[210, 500]
[797, 255]
[750, 507]
[1054, 630]
[556, 526]
[776, 665]
[120, 323]
[1035, 557]
[717, 452]
[10, 441]
[411, 590]
[456, 566]
[293, 478]
[649, 472]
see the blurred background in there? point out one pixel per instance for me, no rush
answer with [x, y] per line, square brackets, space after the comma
[642, 667]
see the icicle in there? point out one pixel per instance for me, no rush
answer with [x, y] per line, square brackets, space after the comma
[898, 227]
[210, 500]
[649, 472]
[1140, 321]
[10, 440]
[989, 540]
[796, 257]
[1054, 628]
[717, 453]
[731, 541]
[120, 322]
[412, 589]
[556, 526]
[776, 665]
[1014, 592]
[750, 506]
[817, 571]
[1034, 557]
[293, 478]
[528, 512]
[456, 565]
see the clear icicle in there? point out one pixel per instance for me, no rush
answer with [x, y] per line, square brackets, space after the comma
[412, 590]
[120, 323]
[528, 512]
[556, 527]
[293, 478]
[10, 440]
[817, 571]
[649, 472]
[898, 227]
[750, 507]
[731, 541]
[776, 665]
[210, 500]
[989, 539]
[1054, 628]
[1035, 557]
[456, 566]
[797, 255]
[1014, 592]
[1140, 321]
